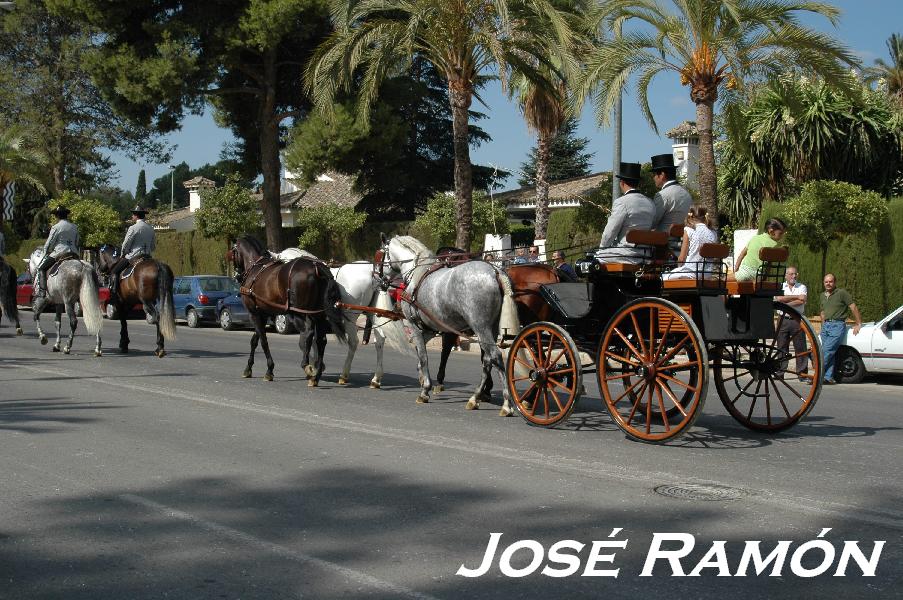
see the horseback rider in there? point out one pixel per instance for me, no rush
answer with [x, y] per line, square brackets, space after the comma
[140, 241]
[63, 240]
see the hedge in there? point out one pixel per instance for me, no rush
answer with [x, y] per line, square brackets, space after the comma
[870, 266]
[566, 232]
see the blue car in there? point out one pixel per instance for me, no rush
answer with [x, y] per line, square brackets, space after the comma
[232, 314]
[196, 297]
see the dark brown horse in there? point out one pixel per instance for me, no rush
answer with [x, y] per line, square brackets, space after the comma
[302, 289]
[526, 280]
[150, 284]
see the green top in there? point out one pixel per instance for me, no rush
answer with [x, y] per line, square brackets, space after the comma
[762, 240]
[835, 306]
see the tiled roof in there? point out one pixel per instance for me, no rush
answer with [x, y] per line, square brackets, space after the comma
[576, 187]
[333, 188]
[198, 182]
[164, 219]
[685, 129]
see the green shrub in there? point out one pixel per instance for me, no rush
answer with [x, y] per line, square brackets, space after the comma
[569, 231]
[436, 225]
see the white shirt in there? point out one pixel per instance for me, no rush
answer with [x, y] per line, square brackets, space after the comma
[797, 290]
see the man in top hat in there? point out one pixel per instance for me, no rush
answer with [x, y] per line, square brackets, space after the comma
[632, 210]
[140, 240]
[63, 239]
[673, 202]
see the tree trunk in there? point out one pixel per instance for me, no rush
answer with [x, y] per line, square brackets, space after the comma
[270, 165]
[460, 96]
[543, 152]
[708, 180]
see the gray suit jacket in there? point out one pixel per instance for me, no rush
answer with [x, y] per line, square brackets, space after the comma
[672, 204]
[63, 238]
[139, 239]
[633, 210]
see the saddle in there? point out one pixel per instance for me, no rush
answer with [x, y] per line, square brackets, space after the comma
[133, 262]
[59, 261]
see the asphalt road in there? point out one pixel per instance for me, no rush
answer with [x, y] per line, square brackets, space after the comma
[128, 476]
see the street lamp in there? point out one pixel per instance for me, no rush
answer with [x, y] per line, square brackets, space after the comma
[172, 186]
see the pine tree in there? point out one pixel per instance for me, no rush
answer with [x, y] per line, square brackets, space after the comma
[568, 157]
[141, 189]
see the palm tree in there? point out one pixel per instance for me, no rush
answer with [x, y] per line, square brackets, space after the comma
[891, 74]
[463, 39]
[713, 45]
[19, 162]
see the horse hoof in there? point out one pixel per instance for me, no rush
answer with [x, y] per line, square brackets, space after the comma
[374, 385]
[312, 383]
[342, 381]
[421, 399]
[19, 331]
[160, 353]
[66, 350]
[505, 412]
[438, 388]
[268, 377]
[98, 353]
[43, 339]
[124, 350]
[310, 371]
[472, 404]
[246, 374]
[56, 348]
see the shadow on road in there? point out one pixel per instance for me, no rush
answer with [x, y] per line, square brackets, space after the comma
[45, 415]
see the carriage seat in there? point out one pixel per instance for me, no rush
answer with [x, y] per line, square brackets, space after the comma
[710, 252]
[768, 279]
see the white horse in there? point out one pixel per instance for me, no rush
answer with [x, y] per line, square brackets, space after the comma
[359, 285]
[74, 281]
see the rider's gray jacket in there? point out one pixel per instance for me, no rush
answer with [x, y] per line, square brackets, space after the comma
[63, 238]
[139, 239]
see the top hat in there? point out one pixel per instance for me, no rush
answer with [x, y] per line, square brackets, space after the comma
[139, 211]
[629, 172]
[662, 162]
[60, 212]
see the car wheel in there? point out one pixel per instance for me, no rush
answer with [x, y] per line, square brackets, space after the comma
[194, 320]
[849, 367]
[283, 326]
[110, 312]
[225, 320]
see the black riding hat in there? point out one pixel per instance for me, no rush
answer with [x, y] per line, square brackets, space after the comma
[663, 162]
[61, 212]
[139, 211]
[629, 172]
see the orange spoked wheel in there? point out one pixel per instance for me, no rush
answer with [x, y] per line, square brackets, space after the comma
[766, 387]
[544, 374]
[652, 370]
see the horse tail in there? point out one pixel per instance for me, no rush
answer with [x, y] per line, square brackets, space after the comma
[509, 324]
[8, 292]
[167, 317]
[393, 331]
[336, 317]
[87, 297]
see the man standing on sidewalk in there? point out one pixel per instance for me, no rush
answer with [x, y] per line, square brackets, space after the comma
[794, 296]
[834, 305]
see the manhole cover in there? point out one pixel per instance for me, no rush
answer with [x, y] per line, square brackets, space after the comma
[704, 492]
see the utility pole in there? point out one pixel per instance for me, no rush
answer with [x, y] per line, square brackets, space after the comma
[172, 186]
[616, 152]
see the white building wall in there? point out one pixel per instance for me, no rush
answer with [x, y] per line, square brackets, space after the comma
[686, 158]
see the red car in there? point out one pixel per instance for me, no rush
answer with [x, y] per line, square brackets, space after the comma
[25, 297]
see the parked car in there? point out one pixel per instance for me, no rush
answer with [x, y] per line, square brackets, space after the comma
[232, 314]
[196, 297]
[878, 348]
[25, 297]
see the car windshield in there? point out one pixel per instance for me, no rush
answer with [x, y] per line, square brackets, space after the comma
[217, 284]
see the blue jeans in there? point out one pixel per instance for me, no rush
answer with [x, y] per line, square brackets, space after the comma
[831, 334]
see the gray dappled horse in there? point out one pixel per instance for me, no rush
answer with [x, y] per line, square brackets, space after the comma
[473, 296]
[8, 294]
[72, 281]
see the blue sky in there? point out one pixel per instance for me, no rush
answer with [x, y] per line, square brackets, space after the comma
[864, 27]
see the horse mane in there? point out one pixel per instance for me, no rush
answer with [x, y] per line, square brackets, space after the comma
[255, 244]
[414, 246]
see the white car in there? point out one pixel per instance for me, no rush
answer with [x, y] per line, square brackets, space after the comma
[878, 348]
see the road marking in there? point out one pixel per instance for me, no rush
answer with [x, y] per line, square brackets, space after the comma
[594, 470]
[357, 577]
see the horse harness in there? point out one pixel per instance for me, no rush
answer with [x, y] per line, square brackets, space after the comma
[263, 264]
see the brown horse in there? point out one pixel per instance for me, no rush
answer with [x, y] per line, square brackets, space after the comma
[526, 280]
[148, 283]
[302, 289]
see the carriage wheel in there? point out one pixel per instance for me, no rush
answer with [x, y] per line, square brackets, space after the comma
[652, 370]
[759, 383]
[544, 373]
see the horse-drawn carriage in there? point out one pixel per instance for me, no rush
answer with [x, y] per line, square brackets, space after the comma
[652, 342]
